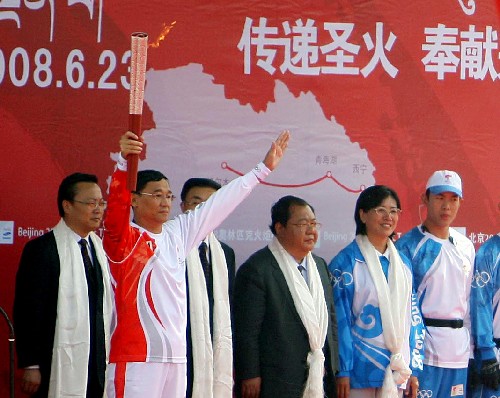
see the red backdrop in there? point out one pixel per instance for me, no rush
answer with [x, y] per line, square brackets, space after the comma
[429, 102]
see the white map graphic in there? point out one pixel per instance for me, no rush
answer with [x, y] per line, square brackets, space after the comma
[198, 128]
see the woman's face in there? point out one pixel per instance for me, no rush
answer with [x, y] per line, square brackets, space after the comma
[382, 220]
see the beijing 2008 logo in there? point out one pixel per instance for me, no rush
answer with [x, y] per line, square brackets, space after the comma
[6, 232]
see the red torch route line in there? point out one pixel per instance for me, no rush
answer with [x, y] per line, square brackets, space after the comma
[328, 175]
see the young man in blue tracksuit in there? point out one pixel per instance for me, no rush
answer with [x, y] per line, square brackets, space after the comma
[442, 261]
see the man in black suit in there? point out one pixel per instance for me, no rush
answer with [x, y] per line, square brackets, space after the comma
[62, 303]
[284, 319]
[194, 192]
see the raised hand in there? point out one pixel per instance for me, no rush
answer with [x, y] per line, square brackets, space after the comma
[275, 153]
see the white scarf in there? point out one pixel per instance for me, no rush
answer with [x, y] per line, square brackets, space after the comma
[213, 366]
[311, 306]
[394, 295]
[69, 368]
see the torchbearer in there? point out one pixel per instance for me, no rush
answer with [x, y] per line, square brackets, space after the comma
[147, 262]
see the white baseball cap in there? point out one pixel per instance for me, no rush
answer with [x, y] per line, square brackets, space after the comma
[445, 181]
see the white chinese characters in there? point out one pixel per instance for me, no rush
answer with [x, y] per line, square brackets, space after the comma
[295, 48]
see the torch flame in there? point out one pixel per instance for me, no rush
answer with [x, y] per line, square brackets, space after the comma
[165, 31]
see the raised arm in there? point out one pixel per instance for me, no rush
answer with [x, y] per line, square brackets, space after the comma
[197, 224]
[118, 235]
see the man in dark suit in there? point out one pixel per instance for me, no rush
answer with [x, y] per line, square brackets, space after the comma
[62, 303]
[284, 319]
[194, 192]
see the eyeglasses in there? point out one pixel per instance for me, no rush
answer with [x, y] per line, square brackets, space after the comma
[383, 212]
[308, 225]
[93, 204]
[158, 196]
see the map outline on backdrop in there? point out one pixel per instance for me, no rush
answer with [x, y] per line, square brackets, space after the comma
[173, 95]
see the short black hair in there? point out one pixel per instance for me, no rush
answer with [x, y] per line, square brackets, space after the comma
[145, 176]
[370, 198]
[280, 212]
[198, 182]
[67, 188]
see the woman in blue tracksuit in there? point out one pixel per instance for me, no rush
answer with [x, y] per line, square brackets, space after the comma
[365, 348]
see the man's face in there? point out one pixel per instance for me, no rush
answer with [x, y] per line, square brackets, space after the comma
[195, 196]
[441, 208]
[298, 237]
[81, 214]
[151, 206]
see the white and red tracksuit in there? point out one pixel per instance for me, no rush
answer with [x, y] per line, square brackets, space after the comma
[149, 279]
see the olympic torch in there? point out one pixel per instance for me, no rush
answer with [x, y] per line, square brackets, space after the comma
[138, 59]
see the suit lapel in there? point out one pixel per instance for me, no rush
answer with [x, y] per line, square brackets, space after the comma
[280, 281]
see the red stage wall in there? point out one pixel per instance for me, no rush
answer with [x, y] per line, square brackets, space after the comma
[373, 91]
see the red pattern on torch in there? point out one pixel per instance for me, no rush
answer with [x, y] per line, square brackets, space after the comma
[138, 59]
